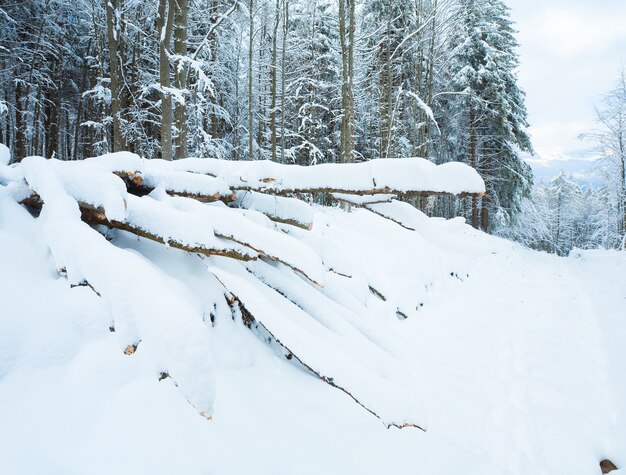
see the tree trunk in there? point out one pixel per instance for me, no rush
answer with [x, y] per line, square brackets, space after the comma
[283, 75]
[113, 17]
[622, 147]
[484, 212]
[474, 161]
[273, 80]
[250, 72]
[165, 24]
[180, 77]
[20, 125]
[53, 108]
[386, 97]
[346, 38]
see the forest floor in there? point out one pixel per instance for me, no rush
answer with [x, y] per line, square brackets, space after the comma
[521, 360]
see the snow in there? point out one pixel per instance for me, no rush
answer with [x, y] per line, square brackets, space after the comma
[189, 183]
[402, 213]
[270, 242]
[335, 349]
[402, 175]
[282, 209]
[7, 174]
[512, 360]
[91, 184]
[179, 226]
[5, 155]
[360, 200]
[119, 162]
[150, 313]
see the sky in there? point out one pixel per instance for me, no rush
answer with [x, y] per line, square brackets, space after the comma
[571, 52]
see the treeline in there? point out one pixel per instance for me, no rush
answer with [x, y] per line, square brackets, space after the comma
[300, 81]
[561, 215]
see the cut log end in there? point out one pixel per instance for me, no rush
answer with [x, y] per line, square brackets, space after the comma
[607, 466]
[130, 349]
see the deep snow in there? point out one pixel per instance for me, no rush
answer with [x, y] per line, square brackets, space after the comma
[517, 359]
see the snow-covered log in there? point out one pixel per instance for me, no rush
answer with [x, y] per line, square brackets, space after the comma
[271, 243]
[260, 246]
[362, 200]
[143, 176]
[278, 208]
[405, 176]
[399, 212]
[170, 330]
[341, 349]
[147, 218]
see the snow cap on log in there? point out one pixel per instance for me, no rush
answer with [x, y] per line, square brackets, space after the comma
[391, 175]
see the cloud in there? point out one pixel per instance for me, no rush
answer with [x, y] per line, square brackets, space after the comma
[577, 30]
[570, 53]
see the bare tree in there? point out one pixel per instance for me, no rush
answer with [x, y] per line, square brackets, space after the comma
[610, 137]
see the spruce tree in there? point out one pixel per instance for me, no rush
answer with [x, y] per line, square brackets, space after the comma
[487, 109]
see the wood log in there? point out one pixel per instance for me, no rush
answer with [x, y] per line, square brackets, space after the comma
[280, 209]
[373, 191]
[268, 255]
[136, 185]
[95, 215]
[408, 177]
[250, 321]
[373, 210]
[361, 200]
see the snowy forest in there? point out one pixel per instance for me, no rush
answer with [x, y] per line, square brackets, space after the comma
[306, 82]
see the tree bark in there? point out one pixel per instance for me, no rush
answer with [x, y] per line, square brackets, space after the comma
[20, 126]
[165, 25]
[250, 72]
[346, 38]
[283, 74]
[180, 76]
[273, 80]
[113, 18]
[474, 161]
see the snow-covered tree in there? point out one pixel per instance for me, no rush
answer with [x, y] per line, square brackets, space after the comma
[610, 138]
[486, 110]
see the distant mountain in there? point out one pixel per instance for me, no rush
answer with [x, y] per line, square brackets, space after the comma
[584, 167]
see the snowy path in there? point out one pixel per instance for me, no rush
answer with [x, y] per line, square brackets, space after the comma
[530, 386]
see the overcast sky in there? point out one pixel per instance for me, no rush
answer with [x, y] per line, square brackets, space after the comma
[571, 52]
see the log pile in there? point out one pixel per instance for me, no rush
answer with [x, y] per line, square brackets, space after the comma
[250, 213]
